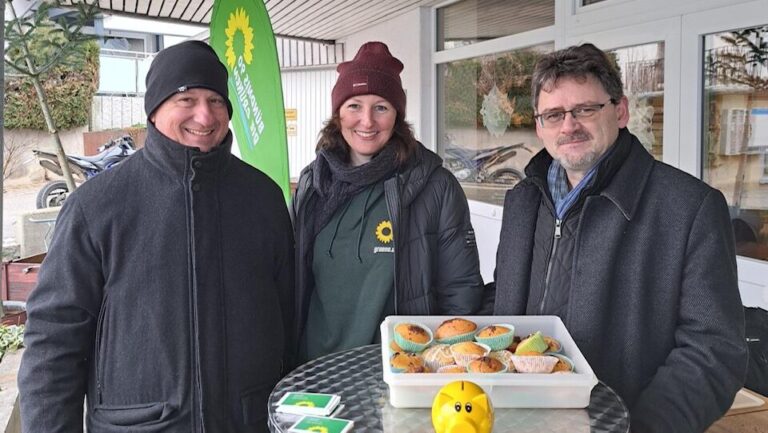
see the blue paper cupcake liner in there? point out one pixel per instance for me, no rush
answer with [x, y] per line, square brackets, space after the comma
[498, 342]
[410, 346]
[469, 336]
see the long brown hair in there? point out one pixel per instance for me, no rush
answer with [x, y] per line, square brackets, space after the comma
[405, 143]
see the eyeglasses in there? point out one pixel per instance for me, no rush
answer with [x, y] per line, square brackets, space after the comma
[551, 119]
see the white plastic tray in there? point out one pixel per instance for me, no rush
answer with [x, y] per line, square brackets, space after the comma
[507, 390]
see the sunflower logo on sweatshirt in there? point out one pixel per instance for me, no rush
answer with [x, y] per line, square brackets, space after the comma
[384, 232]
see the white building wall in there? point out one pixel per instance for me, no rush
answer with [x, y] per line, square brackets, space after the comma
[308, 91]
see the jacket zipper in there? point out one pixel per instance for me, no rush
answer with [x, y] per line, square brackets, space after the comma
[393, 207]
[99, 330]
[197, 396]
[555, 240]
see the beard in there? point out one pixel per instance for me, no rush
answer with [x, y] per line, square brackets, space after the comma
[578, 162]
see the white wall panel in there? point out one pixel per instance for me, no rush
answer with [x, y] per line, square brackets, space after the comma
[308, 91]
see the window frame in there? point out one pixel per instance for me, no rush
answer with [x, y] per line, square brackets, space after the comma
[753, 273]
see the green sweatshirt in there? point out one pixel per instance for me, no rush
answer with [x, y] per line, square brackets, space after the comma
[353, 266]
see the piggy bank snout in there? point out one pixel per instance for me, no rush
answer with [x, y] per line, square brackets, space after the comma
[461, 426]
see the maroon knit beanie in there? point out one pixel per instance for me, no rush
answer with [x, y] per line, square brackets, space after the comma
[373, 71]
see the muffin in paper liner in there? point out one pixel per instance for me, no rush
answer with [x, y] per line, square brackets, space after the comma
[554, 346]
[402, 361]
[412, 346]
[505, 356]
[533, 363]
[417, 369]
[463, 356]
[438, 356]
[486, 365]
[499, 341]
[458, 338]
[453, 325]
[394, 348]
[564, 364]
[453, 368]
[533, 343]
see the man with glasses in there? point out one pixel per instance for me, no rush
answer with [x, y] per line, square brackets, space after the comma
[635, 256]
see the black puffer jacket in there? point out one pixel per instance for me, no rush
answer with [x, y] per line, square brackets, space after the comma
[165, 297]
[436, 260]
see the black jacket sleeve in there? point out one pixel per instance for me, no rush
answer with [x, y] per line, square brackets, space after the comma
[458, 284]
[62, 314]
[700, 377]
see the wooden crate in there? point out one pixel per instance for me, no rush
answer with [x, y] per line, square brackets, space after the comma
[19, 277]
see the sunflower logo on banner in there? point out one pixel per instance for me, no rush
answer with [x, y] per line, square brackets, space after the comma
[241, 35]
[239, 22]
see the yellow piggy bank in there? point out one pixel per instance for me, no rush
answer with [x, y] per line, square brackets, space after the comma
[462, 407]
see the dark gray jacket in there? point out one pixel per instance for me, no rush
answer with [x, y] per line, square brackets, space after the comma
[437, 268]
[653, 298]
[165, 297]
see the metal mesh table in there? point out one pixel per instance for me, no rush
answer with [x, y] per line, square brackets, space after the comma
[356, 376]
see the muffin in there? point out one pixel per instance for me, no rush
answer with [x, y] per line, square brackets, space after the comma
[455, 330]
[395, 347]
[412, 337]
[505, 356]
[467, 351]
[515, 341]
[492, 331]
[417, 369]
[438, 356]
[534, 343]
[401, 361]
[453, 368]
[553, 345]
[564, 364]
[497, 337]
[486, 364]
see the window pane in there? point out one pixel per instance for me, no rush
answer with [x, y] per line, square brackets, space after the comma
[735, 131]
[471, 21]
[642, 72]
[590, 2]
[485, 121]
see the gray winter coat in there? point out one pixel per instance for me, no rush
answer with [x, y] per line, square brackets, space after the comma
[437, 269]
[165, 298]
[654, 302]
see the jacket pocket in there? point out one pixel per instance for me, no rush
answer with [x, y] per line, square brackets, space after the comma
[134, 414]
[255, 401]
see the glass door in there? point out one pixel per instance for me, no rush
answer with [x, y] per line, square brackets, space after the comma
[724, 133]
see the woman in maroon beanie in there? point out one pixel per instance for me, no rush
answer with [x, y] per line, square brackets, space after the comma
[381, 227]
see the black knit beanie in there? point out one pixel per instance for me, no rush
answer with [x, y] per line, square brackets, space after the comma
[184, 66]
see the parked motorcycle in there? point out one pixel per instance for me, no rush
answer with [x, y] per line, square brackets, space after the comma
[110, 154]
[484, 165]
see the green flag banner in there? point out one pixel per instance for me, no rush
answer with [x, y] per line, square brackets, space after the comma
[241, 35]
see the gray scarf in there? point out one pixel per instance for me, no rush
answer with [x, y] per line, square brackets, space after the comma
[336, 182]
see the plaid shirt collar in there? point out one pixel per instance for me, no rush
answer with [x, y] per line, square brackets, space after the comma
[557, 181]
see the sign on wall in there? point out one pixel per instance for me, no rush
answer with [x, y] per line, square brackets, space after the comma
[242, 36]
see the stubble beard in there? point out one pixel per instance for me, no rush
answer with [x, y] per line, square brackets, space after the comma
[580, 162]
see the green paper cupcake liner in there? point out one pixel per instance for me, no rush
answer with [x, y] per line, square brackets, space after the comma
[469, 336]
[498, 342]
[410, 346]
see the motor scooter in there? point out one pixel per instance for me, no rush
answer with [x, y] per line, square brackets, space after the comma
[110, 154]
[484, 165]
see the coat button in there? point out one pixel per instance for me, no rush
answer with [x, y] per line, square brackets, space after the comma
[197, 164]
[195, 187]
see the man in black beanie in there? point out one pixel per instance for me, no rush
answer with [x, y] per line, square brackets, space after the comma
[166, 295]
